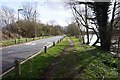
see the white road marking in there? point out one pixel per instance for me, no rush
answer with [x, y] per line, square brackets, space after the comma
[28, 43]
[9, 51]
[33, 44]
[49, 42]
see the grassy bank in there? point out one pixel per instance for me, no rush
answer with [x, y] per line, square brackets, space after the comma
[87, 62]
[18, 41]
[35, 67]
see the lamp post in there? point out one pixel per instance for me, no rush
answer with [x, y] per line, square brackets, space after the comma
[18, 13]
[18, 21]
[35, 25]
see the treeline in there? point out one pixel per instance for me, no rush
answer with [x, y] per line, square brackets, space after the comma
[32, 29]
[26, 24]
[73, 30]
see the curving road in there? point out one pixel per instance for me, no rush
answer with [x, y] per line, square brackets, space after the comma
[22, 51]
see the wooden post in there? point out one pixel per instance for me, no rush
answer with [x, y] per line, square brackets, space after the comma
[58, 41]
[18, 40]
[45, 49]
[53, 43]
[26, 39]
[17, 68]
[15, 41]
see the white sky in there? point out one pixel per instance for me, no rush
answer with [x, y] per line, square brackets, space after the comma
[48, 10]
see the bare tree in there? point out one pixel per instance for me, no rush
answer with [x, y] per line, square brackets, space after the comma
[7, 15]
[83, 18]
[102, 26]
[29, 11]
[30, 14]
[78, 23]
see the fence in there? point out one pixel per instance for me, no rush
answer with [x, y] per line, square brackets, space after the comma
[17, 67]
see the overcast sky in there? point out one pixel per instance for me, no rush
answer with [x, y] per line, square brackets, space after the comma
[48, 10]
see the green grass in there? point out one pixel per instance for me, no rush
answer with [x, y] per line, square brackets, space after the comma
[83, 61]
[79, 61]
[35, 67]
[18, 41]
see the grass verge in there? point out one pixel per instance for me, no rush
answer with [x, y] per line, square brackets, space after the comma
[87, 62]
[35, 67]
[18, 41]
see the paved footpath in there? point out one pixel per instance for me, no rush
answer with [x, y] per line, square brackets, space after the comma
[22, 51]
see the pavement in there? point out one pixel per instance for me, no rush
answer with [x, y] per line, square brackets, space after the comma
[22, 51]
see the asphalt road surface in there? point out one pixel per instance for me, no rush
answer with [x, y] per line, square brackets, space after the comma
[22, 51]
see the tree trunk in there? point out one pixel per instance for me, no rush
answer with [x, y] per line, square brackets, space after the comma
[105, 38]
[86, 24]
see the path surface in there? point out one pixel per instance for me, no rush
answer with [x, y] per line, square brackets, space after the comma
[22, 51]
[50, 72]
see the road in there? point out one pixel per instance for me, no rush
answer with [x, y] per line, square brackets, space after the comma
[22, 51]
